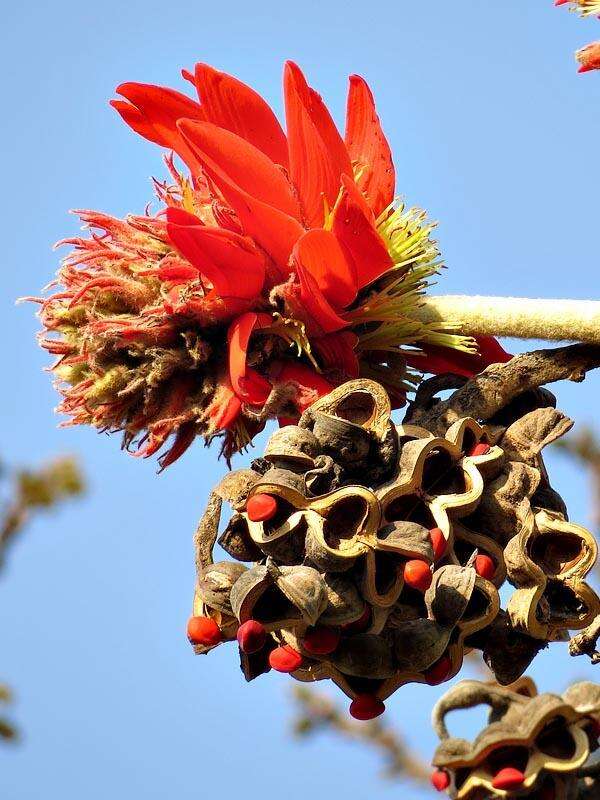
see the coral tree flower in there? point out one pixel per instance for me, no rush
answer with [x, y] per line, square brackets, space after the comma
[589, 57]
[279, 266]
[586, 8]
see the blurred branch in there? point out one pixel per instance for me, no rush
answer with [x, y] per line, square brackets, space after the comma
[317, 713]
[29, 491]
[7, 730]
[585, 447]
[36, 490]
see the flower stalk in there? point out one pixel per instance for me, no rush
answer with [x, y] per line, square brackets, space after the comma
[518, 317]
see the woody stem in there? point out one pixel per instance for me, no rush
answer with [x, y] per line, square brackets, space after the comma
[520, 317]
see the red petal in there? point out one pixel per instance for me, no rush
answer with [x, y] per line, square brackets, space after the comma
[368, 147]
[443, 359]
[275, 231]
[232, 105]
[318, 156]
[318, 309]
[232, 264]
[319, 253]
[355, 230]
[245, 165]
[310, 384]
[225, 408]
[247, 383]
[156, 110]
[337, 351]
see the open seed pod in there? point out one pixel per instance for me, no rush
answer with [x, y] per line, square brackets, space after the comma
[548, 562]
[279, 597]
[534, 746]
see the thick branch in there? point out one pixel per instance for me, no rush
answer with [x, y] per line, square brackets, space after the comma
[524, 318]
[487, 393]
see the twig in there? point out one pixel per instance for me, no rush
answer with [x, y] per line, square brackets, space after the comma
[487, 393]
[586, 642]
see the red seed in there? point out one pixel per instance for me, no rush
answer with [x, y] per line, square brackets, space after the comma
[439, 672]
[359, 625]
[440, 780]
[417, 574]
[285, 659]
[485, 566]
[438, 542]
[203, 630]
[251, 637]
[366, 706]
[481, 449]
[261, 507]
[320, 640]
[508, 778]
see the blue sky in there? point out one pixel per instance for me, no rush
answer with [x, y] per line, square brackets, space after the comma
[492, 132]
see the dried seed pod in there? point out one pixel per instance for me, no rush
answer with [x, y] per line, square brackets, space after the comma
[215, 582]
[324, 477]
[548, 562]
[293, 447]
[279, 598]
[364, 656]
[235, 487]
[531, 742]
[344, 603]
[237, 542]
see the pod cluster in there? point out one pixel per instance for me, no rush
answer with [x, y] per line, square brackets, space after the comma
[535, 746]
[371, 554]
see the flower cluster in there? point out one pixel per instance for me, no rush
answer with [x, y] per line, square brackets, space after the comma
[588, 57]
[279, 266]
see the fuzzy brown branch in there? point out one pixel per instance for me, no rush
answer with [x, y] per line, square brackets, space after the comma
[317, 712]
[487, 393]
[586, 642]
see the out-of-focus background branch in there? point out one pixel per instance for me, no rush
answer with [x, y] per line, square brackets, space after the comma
[316, 713]
[584, 446]
[23, 493]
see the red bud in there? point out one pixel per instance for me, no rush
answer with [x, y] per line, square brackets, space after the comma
[439, 672]
[438, 542]
[285, 659]
[261, 507]
[366, 706]
[203, 630]
[417, 574]
[562, 2]
[481, 449]
[320, 640]
[508, 778]
[485, 567]
[251, 637]
[440, 780]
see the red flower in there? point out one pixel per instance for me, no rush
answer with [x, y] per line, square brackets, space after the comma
[279, 268]
[589, 57]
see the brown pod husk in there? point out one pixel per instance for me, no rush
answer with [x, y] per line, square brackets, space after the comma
[344, 603]
[279, 597]
[215, 582]
[237, 542]
[544, 735]
[547, 563]
[235, 487]
[420, 643]
[293, 446]
[364, 655]
[325, 476]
